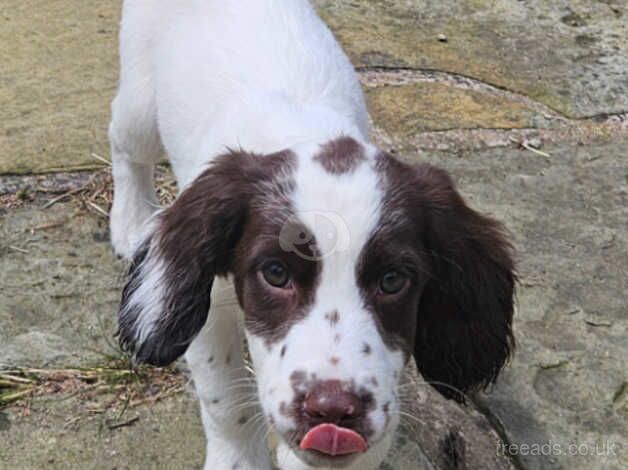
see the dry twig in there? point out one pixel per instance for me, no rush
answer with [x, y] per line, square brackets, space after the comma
[125, 388]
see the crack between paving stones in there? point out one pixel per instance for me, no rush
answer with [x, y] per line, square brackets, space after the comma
[505, 137]
[479, 129]
[504, 130]
[525, 130]
[498, 427]
[622, 115]
[555, 136]
[459, 76]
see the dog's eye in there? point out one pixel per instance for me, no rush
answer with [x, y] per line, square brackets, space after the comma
[392, 282]
[276, 273]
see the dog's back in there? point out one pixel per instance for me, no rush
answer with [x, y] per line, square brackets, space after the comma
[209, 58]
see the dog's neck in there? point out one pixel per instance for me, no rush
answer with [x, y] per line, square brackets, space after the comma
[264, 123]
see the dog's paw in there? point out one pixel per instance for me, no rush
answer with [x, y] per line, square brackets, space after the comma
[124, 238]
[128, 227]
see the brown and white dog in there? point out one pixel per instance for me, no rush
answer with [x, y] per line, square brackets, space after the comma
[345, 262]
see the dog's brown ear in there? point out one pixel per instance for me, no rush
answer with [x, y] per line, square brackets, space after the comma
[464, 333]
[166, 300]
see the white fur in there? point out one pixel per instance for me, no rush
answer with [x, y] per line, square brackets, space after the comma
[199, 76]
[225, 388]
[146, 296]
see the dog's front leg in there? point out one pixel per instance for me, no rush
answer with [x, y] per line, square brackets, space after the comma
[234, 425]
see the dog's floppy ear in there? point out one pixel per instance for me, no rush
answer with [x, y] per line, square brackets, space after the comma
[464, 333]
[166, 300]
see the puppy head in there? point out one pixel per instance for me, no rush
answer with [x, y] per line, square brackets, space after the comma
[346, 263]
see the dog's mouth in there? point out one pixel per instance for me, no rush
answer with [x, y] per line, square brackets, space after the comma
[333, 441]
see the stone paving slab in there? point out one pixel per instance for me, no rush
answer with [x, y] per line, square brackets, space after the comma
[165, 436]
[61, 287]
[60, 66]
[567, 383]
[571, 55]
[58, 75]
[407, 110]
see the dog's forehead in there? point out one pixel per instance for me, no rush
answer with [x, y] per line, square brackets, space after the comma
[337, 195]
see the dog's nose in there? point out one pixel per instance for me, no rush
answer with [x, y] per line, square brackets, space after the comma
[328, 402]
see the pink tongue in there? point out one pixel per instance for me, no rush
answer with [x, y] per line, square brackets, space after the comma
[333, 440]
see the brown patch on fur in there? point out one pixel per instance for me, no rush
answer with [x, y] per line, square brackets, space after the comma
[366, 349]
[334, 360]
[332, 317]
[340, 156]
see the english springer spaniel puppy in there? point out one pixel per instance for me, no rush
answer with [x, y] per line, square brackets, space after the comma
[345, 262]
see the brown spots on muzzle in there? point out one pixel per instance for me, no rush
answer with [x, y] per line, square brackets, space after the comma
[386, 410]
[340, 156]
[298, 379]
[332, 317]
